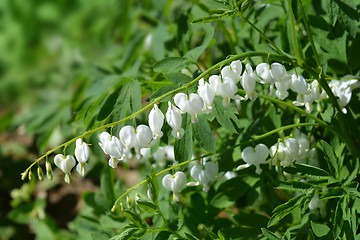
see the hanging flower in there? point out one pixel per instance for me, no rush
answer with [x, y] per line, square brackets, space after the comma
[204, 175]
[174, 119]
[112, 146]
[223, 87]
[66, 164]
[270, 74]
[82, 151]
[174, 183]
[207, 93]
[255, 156]
[278, 154]
[233, 71]
[138, 139]
[248, 82]
[301, 87]
[156, 121]
[282, 87]
[192, 104]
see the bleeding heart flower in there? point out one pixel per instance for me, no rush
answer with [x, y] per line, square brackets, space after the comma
[82, 152]
[65, 164]
[233, 71]
[255, 156]
[141, 138]
[174, 183]
[204, 175]
[207, 93]
[112, 146]
[192, 104]
[156, 121]
[248, 82]
[270, 74]
[223, 87]
[174, 119]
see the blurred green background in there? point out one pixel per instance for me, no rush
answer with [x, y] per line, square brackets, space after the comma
[51, 51]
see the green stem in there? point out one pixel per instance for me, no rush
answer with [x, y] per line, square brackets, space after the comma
[167, 224]
[276, 48]
[293, 33]
[309, 33]
[290, 106]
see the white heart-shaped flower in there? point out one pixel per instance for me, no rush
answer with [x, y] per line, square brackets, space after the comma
[192, 104]
[255, 156]
[223, 87]
[270, 74]
[233, 71]
[204, 175]
[65, 163]
[174, 183]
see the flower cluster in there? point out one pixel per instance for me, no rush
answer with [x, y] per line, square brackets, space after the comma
[284, 153]
[66, 163]
[296, 148]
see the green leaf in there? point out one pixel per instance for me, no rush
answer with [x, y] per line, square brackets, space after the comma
[283, 210]
[183, 146]
[161, 91]
[334, 192]
[191, 237]
[331, 159]
[295, 186]
[327, 115]
[107, 185]
[204, 135]
[319, 229]
[246, 5]
[269, 235]
[308, 170]
[134, 217]
[225, 115]
[125, 235]
[346, 13]
[195, 53]
[171, 64]
[99, 236]
[146, 205]
[153, 186]
[214, 17]
[221, 235]
[108, 106]
[178, 78]
[128, 102]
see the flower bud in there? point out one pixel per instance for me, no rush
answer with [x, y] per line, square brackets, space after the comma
[40, 173]
[31, 175]
[49, 171]
[24, 175]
